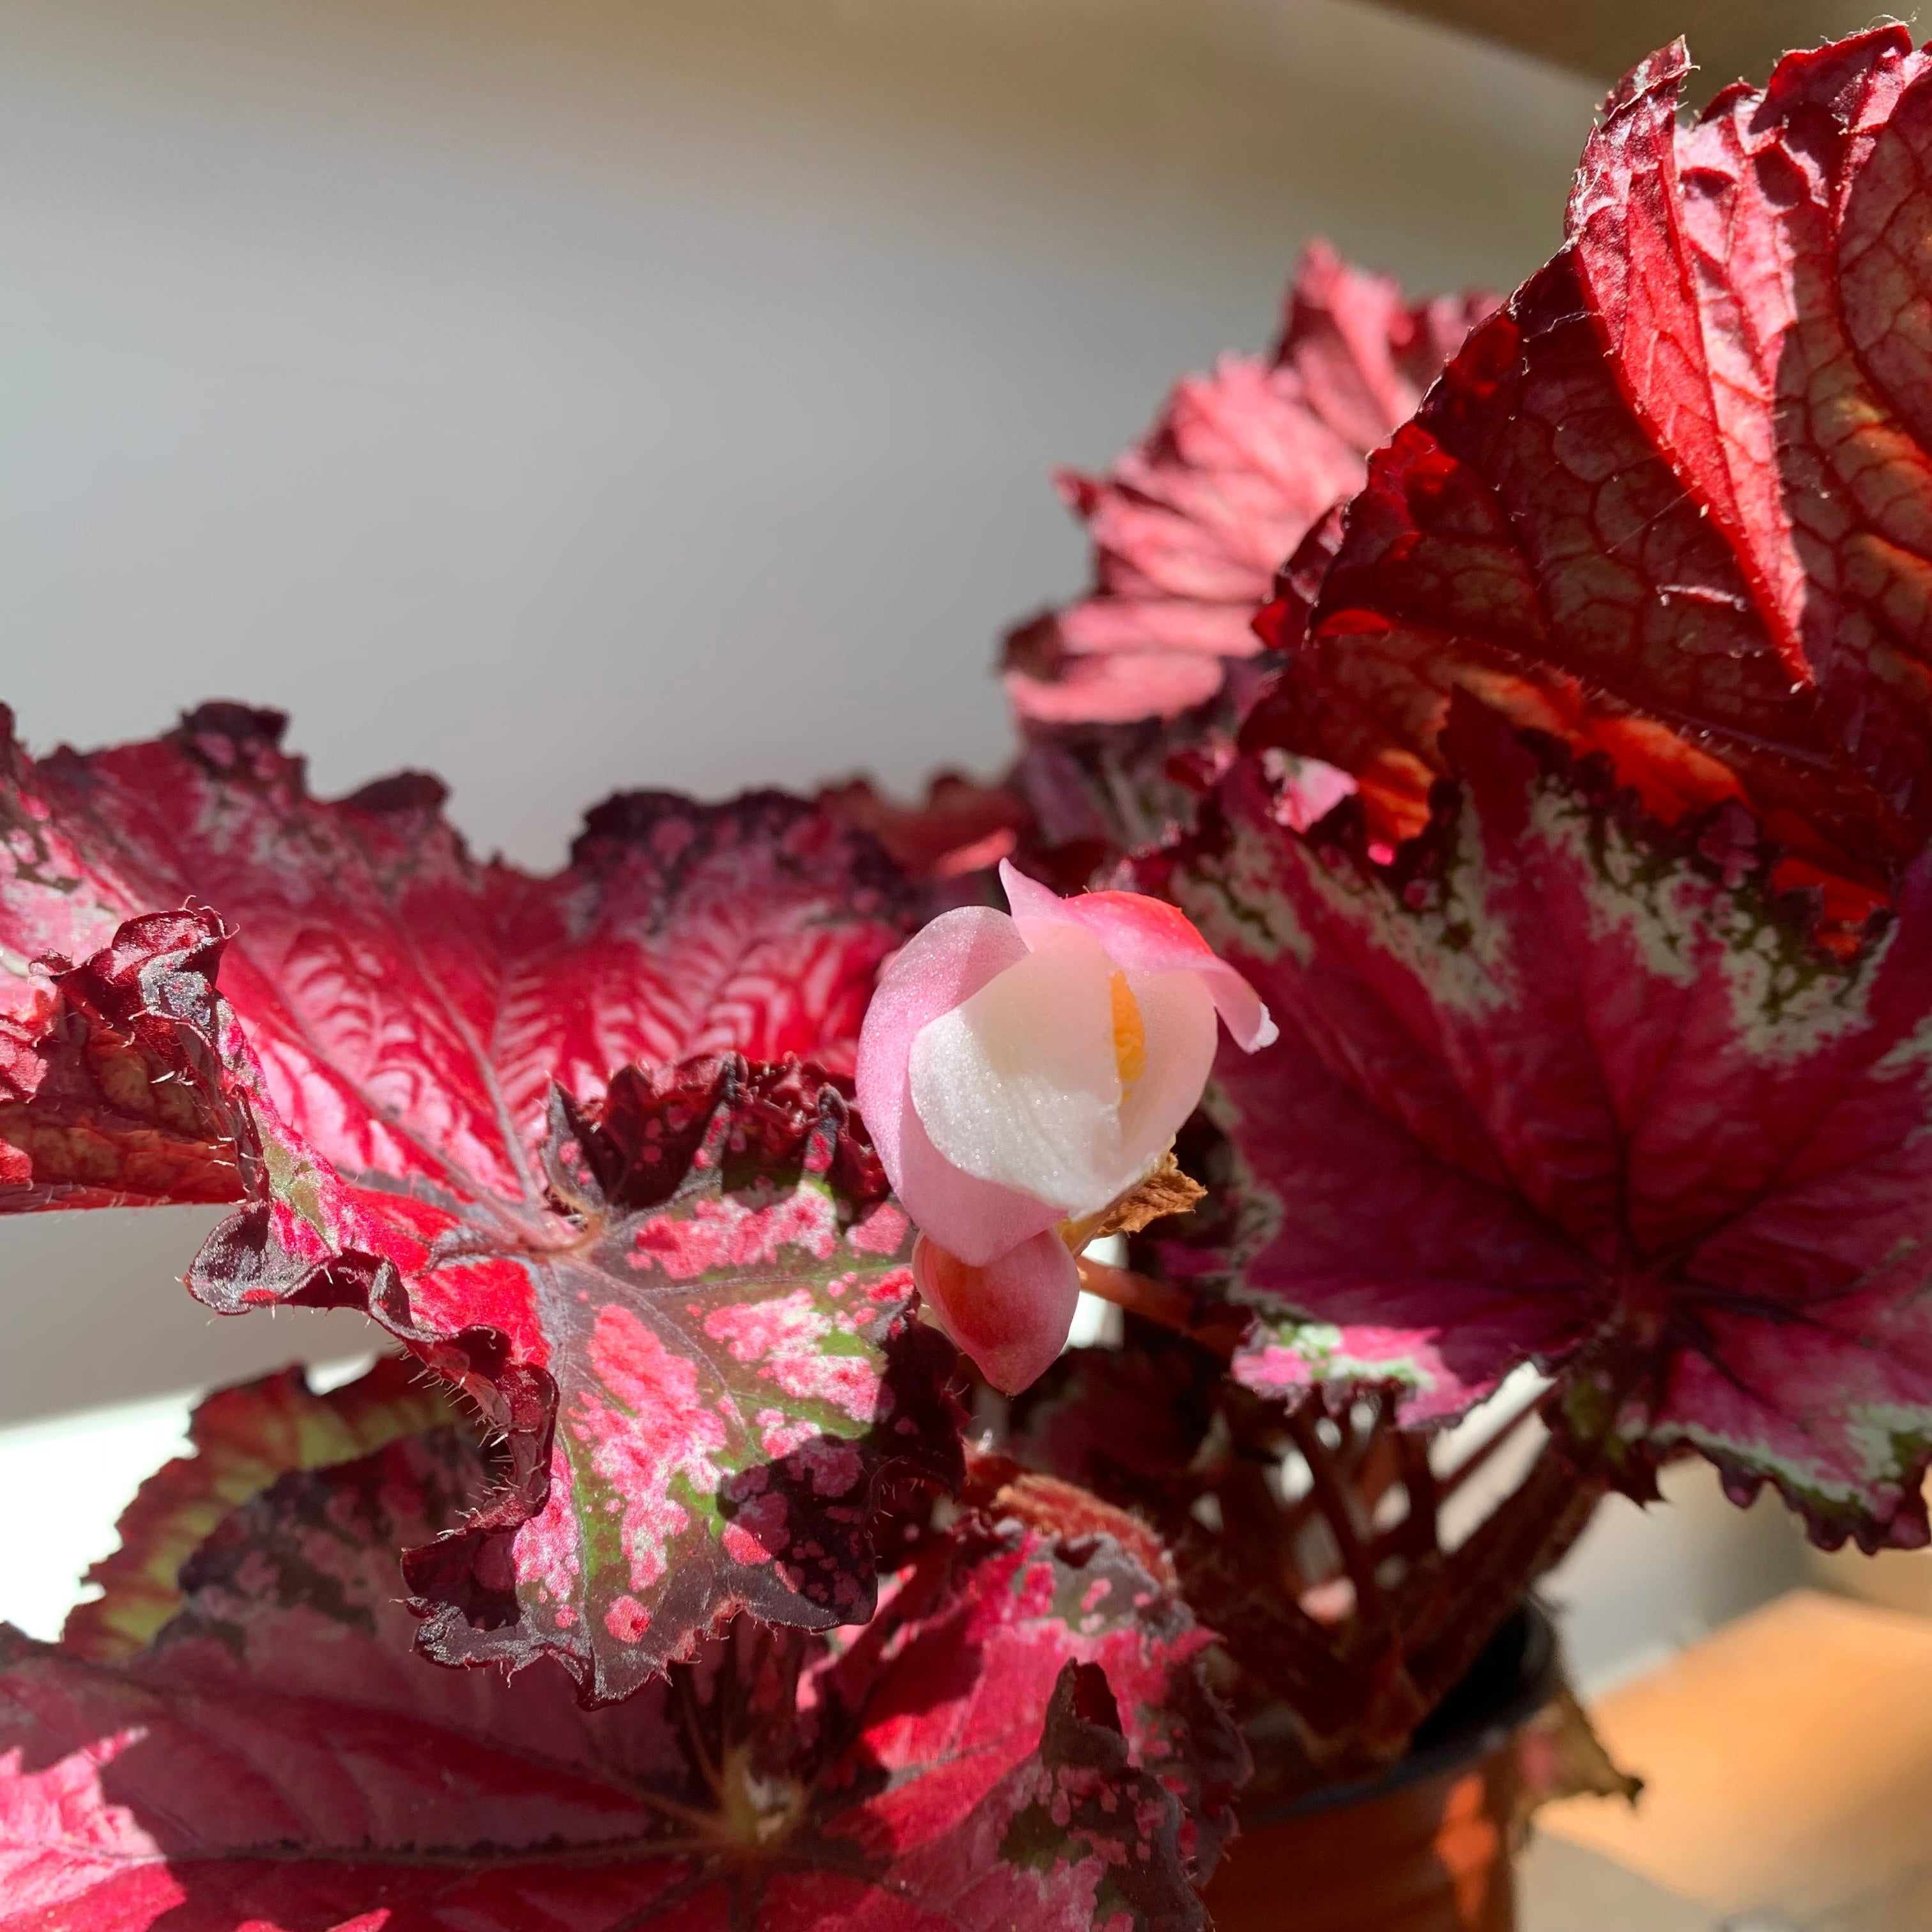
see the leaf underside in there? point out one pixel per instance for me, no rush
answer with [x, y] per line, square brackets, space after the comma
[1130, 695]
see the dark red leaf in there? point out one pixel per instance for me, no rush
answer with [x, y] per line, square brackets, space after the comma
[701, 1266]
[1004, 1747]
[109, 1103]
[1555, 1083]
[411, 1006]
[1190, 527]
[725, 1315]
[1671, 503]
[1000, 1487]
[1627, 1101]
[1120, 1417]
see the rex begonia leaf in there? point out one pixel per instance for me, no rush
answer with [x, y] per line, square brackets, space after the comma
[1558, 1083]
[1671, 503]
[1010, 1745]
[244, 1439]
[1188, 528]
[682, 1297]
[410, 1005]
[725, 1315]
[1641, 1083]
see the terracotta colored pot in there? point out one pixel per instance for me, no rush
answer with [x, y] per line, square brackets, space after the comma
[1426, 1847]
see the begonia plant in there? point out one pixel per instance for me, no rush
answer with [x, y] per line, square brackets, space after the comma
[1462, 918]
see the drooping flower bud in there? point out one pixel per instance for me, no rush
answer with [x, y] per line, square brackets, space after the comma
[1020, 1071]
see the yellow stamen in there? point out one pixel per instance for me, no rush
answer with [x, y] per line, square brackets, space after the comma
[1129, 1033]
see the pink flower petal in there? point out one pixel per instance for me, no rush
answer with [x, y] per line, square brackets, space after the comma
[1012, 1317]
[1032, 903]
[978, 1220]
[1019, 1085]
[1143, 934]
[945, 963]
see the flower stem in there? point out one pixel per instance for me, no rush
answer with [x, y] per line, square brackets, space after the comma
[1168, 1307]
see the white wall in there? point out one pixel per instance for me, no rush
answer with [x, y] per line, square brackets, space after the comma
[1642, 1582]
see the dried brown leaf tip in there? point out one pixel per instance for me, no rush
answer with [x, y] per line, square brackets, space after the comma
[1165, 1191]
[1562, 1756]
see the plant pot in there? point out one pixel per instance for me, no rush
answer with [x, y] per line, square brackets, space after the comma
[1427, 1847]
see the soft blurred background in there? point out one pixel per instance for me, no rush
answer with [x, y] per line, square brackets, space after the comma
[615, 392]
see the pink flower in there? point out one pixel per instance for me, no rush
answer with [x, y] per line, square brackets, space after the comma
[1018, 1072]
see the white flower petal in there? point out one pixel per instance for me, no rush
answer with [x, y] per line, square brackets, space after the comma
[1177, 1022]
[1019, 1085]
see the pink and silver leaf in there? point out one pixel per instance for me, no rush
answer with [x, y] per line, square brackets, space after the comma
[702, 1365]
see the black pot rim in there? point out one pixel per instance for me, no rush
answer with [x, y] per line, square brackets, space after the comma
[1537, 1678]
